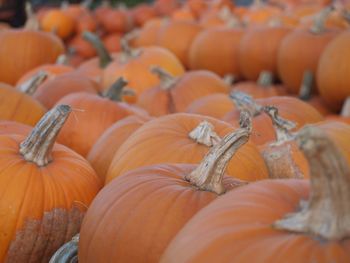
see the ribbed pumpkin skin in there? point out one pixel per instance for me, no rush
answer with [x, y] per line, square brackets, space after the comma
[44, 206]
[13, 127]
[101, 154]
[93, 115]
[184, 30]
[154, 200]
[256, 54]
[17, 106]
[215, 105]
[53, 90]
[237, 228]
[190, 86]
[333, 74]
[300, 51]
[23, 50]
[137, 70]
[221, 58]
[289, 108]
[166, 140]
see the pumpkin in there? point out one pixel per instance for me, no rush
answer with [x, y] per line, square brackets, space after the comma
[183, 138]
[222, 17]
[183, 14]
[148, 34]
[45, 188]
[334, 85]
[20, 52]
[58, 22]
[344, 115]
[260, 13]
[166, 7]
[115, 20]
[134, 66]
[300, 52]
[112, 42]
[142, 13]
[263, 88]
[86, 23]
[215, 105]
[198, 7]
[205, 53]
[256, 54]
[175, 94]
[305, 221]
[93, 116]
[82, 47]
[185, 31]
[17, 106]
[13, 127]
[103, 150]
[289, 108]
[170, 195]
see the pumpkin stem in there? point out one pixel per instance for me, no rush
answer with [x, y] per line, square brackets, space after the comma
[327, 212]
[68, 252]
[166, 79]
[37, 146]
[117, 90]
[204, 134]
[345, 112]
[30, 86]
[282, 126]
[320, 19]
[127, 52]
[62, 59]
[265, 78]
[209, 174]
[95, 41]
[305, 91]
[32, 22]
[245, 102]
[230, 79]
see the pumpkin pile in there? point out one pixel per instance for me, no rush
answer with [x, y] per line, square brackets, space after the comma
[200, 131]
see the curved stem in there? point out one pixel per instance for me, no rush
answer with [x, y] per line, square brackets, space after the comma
[127, 52]
[30, 86]
[320, 20]
[327, 212]
[265, 78]
[68, 253]
[166, 79]
[37, 146]
[282, 126]
[117, 90]
[209, 174]
[105, 57]
[204, 134]
[305, 91]
[245, 102]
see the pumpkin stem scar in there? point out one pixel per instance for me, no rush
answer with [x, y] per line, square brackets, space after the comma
[204, 134]
[327, 212]
[209, 174]
[104, 56]
[30, 86]
[37, 146]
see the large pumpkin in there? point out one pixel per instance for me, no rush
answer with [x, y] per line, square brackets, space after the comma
[174, 94]
[277, 220]
[156, 201]
[45, 191]
[183, 138]
[23, 50]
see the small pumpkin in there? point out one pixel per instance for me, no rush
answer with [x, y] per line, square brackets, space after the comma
[58, 22]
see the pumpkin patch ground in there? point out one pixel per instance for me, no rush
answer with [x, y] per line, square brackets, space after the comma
[171, 131]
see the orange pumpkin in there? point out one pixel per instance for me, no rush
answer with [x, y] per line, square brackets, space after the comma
[166, 7]
[142, 13]
[116, 21]
[192, 186]
[58, 22]
[148, 34]
[34, 170]
[86, 23]
[82, 47]
[23, 50]
[101, 154]
[205, 53]
[175, 94]
[14, 127]
[185, 31]
[183, 138]
[112, 42]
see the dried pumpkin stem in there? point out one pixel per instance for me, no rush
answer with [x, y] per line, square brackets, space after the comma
[265, 78]
[209, 174]
[67, 253]
[282, 126]
[320, 20]
[345, 111]
[127, 52]
[230, 79]
[30, 86]
[104, 56]
[305, 91]
[327, 212]
[167, 80]
[204, 134]
[117, 90]
[244, 102]
[38, 145]
[32, 22]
